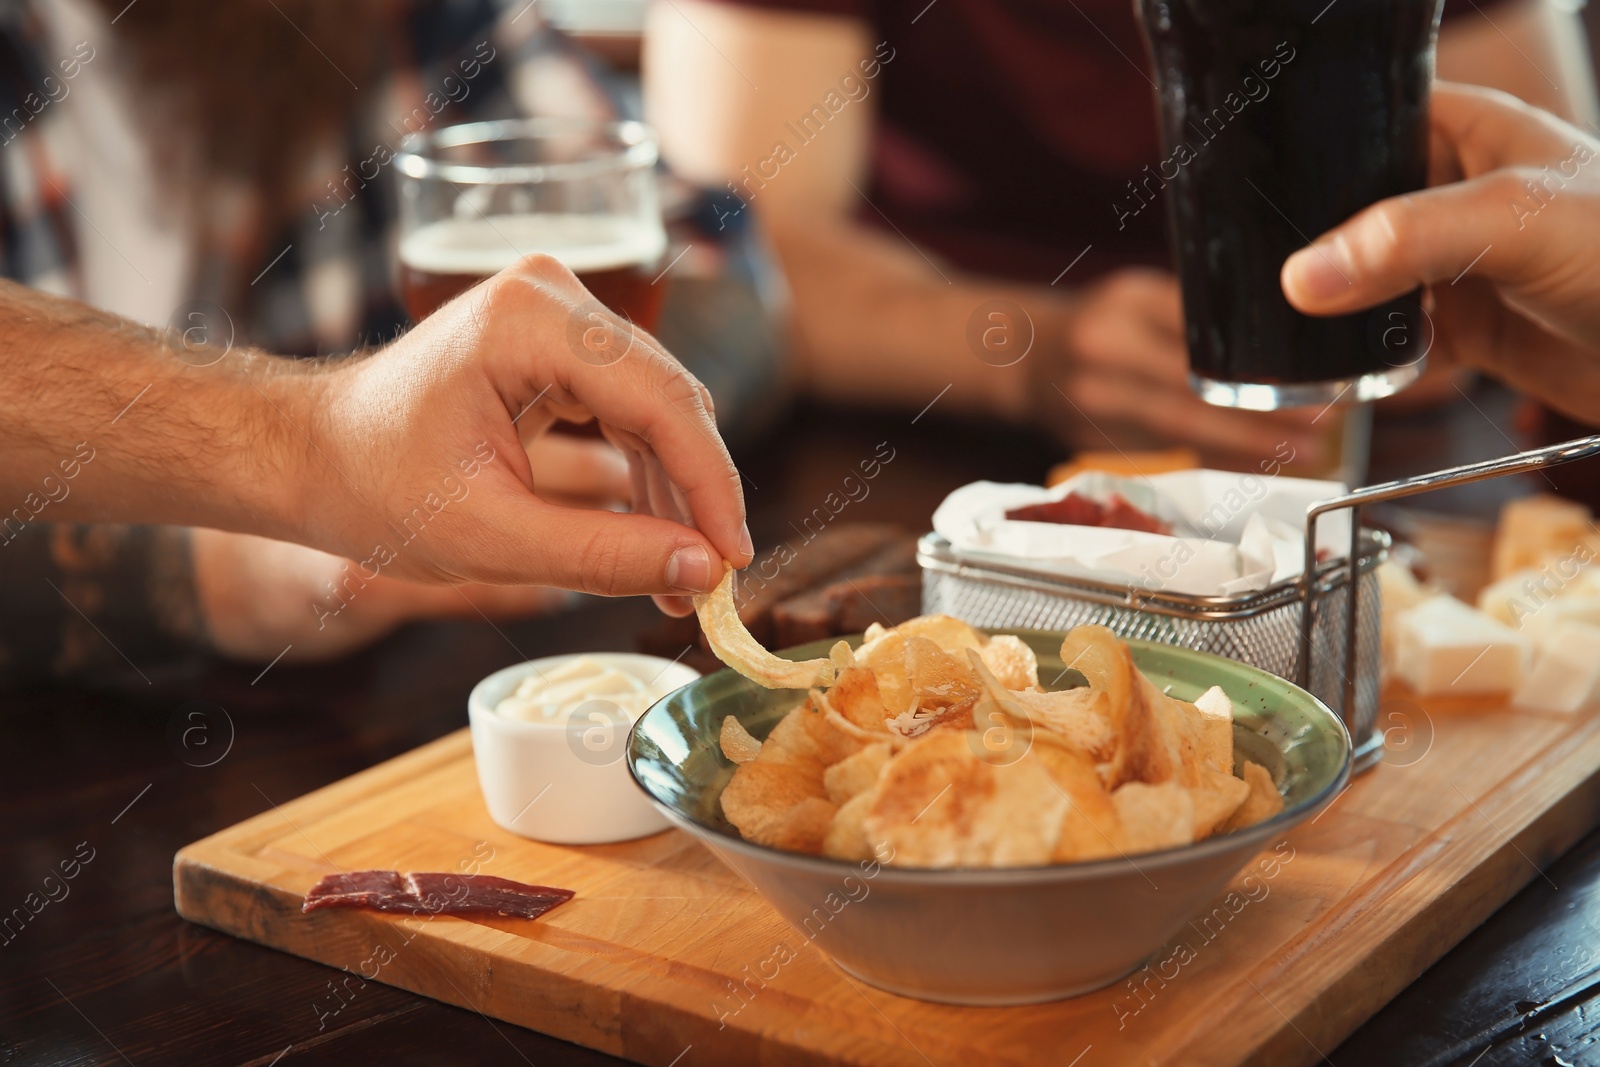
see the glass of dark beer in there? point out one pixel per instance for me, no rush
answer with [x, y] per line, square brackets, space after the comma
[475, 198]
[1279, 120]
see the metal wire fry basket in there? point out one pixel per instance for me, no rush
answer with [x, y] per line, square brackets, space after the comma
[1299, 628]
[1261, 628]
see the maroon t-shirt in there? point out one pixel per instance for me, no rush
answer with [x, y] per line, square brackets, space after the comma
[1008, 131]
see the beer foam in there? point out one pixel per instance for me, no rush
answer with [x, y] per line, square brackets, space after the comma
[489, 244]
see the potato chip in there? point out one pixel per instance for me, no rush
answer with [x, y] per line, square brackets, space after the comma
[1140, 749]
[1104, 661]
[943, 691]
[1199, 745]
[855, 774]
[1012, 661]
[1216, 728]
[948, 632]
[900, 752]
[773, 799]
[1216, 797]
[884, 653]
[804, 827]
[1002, 737]
[846, 838]
[844, 725]
[885, 658]
[1176, 738]
[1090, 829]
[855, 696]
[733, 645]
[1154, 816]
[835, 737]
[737, 744]
[1263, 802]
[938, 680]
[937, 805]
[1078, 717]
[790, 742]
[761, 801]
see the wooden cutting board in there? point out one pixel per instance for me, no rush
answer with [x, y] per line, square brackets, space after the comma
[644, 962]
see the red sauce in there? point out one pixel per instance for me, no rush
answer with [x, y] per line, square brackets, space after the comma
[1077, 510]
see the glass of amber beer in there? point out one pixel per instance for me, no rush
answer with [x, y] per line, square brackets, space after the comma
[475, 198]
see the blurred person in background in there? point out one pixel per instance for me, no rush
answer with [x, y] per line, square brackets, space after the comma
[916, 162]
[222, 170]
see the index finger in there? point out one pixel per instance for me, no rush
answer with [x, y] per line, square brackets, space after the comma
[1490, 129]
[652, 396]
[1437, 234]
[1396, 245]
[621, 375]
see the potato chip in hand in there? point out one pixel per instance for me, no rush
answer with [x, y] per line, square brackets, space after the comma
[733, 644]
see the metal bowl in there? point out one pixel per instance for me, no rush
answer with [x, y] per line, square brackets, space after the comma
[1016, 935]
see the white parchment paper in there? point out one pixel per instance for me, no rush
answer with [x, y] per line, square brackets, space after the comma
[1232, 533]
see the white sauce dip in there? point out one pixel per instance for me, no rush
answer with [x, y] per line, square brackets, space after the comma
[550, 696]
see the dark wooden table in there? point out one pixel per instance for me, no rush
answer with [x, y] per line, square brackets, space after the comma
[107, 973]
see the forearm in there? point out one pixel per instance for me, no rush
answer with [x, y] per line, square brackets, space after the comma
[875, 322]
[105, 420]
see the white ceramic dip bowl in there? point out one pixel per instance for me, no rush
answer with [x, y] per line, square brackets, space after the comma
[551, 763]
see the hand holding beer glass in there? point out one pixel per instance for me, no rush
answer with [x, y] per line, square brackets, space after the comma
[1280, 119]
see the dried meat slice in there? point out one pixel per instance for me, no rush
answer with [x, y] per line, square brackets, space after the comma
[426, 893]
[484, 894]
[357, 889]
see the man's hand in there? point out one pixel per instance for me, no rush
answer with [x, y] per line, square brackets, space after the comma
[1125, 364]
[1506, 248]
[410, 460]
[421, 461]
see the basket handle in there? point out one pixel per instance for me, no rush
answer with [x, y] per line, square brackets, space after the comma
[1537, 459]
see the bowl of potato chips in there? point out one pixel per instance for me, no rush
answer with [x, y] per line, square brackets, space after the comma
[985, 818]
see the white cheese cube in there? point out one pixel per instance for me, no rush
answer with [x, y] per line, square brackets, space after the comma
[1443, 646]
[1566, 670]
[1536, 529]
[1509, 600]
[1398, 592]
[1532, 599]
[1399, 587]
[1545, 620]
